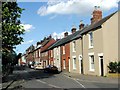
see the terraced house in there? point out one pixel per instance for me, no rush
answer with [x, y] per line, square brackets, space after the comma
[87, 50]
[96, 46]
[44, 52]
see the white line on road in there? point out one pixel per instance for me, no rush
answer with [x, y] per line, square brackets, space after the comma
[75, 81]
[47, 84]
[41, 81]
[53, 86]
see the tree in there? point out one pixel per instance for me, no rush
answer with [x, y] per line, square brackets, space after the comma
[11, 30]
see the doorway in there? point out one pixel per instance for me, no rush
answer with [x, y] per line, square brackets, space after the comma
[80, 64]
[101, 65]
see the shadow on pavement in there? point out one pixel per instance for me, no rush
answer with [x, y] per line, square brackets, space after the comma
[26, 74]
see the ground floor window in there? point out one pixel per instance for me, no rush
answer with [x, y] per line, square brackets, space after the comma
[64, 64]
[92, 63]
[74, 62]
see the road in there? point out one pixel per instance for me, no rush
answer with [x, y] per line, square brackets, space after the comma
[30, 78]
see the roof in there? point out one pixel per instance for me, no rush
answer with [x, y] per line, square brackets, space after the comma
[79, 33]
[50, 42]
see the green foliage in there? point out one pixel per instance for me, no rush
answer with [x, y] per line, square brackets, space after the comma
[11, 25]
[12, 32]
[114, 67]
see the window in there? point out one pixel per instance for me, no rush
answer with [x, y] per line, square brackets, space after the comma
[39, 52]
[51, 53]
[57, 51]
[90, 40]
[92, 64]
[64, 64]
[36, 53]
[74, 62]
[63, 49]
[74, 46]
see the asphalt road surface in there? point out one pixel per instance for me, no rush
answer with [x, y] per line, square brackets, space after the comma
[30, 78]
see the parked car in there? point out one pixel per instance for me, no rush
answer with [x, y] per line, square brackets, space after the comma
[51, 69]
[38, 66]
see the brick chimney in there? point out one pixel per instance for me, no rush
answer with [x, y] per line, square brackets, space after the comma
[73, 30]
[81, 26]
[65, 34]
[96, 15]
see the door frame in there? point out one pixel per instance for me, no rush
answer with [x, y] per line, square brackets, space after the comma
[80, 59]
[100, 54]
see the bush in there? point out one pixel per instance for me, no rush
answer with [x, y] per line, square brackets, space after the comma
[114, 67]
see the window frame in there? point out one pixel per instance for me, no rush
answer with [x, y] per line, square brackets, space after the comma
[91, 40]
[74, 46]
[90, 62]
[74, 66]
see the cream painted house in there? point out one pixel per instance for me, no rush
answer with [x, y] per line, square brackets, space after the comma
[95, 46]
[57, 57]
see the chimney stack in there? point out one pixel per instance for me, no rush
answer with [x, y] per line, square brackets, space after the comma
[96, 15]
[73, 30]
[65, 34]
[81, 26]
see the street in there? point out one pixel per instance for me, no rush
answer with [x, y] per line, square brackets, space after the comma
[30, 78]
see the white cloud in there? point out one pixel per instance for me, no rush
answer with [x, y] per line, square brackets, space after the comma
[28, 27]
[27, 42]
[75, 6]
[59, 35]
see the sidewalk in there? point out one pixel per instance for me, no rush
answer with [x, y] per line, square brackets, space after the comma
[91, 78]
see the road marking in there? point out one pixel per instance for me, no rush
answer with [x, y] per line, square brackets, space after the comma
[75, 81]
[47, 84]
[41, 81]
[53, 86]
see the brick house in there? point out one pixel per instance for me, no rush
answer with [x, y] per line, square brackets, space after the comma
[44, 53]
[29, 54]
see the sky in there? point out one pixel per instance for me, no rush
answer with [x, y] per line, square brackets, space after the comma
[42, 18]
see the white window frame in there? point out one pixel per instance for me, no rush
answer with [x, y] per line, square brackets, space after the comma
[90, 43]
[74, 46]
[90, 66]
[39, 52]
[63, 49]
[74, 67]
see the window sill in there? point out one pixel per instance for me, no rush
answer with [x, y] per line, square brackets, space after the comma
[92, 70]
[90, 47]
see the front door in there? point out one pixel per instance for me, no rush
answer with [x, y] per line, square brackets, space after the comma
[80, 65]
[101, 66]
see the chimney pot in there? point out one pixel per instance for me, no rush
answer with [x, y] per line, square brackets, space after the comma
[81, 26]
[73, 30]
[65, 34]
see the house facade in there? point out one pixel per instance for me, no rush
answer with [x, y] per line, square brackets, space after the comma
[37, 54]
[98, 46]
[45, 53]
[57, 57]
[101, 47]
[30, 55]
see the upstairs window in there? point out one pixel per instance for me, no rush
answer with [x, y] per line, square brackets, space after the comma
[90, 40]
[51, 53]
[63, 49]
[74, 46]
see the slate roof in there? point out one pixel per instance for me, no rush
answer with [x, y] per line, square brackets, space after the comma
[79, 33]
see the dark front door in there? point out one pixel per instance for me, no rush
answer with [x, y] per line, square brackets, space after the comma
[102, 69]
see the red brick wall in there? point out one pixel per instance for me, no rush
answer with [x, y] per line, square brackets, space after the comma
[65, 56]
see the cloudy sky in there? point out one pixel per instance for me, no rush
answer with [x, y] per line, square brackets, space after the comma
[44, 17]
